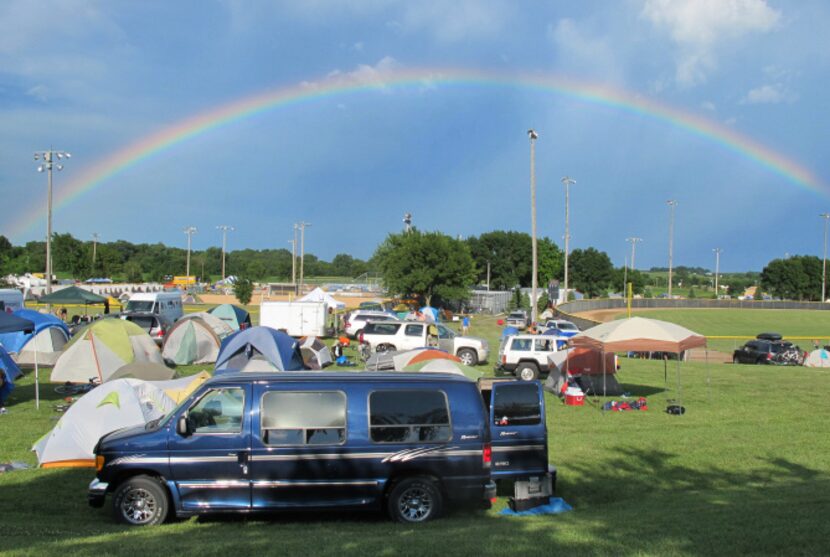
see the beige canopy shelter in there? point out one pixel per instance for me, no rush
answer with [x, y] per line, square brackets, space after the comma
[639, 334]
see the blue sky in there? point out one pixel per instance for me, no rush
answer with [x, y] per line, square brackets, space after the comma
[94, 77]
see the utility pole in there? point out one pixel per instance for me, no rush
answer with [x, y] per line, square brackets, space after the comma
[294, 259]
[190, 231]
[303, 225]
[533, 136]
[825, 216]
[48, 158]
[717, 270]
[94, 249]
[488, 275]
[633, 248]
[672, 204]
[407, 222]
[567, 182]
[224, 228]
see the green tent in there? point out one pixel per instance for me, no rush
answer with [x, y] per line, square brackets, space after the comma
[71, 296]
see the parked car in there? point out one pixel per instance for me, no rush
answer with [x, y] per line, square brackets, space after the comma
[355, 321]
[409, 443]
[517, 319]
[156, 325]
[382, 336]
[759, 351]
[565, 327]
[526, 356]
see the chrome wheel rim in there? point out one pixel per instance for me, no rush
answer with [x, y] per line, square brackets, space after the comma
[415, 504]
[526, 374]
[139, 506]
[466, 358]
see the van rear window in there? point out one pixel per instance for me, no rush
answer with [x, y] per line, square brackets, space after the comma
[303, 418]
[409, 416]
[516, 404]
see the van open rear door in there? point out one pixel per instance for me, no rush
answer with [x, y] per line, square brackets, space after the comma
[518, 427]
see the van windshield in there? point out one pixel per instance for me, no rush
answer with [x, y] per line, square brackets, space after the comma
[139, 306]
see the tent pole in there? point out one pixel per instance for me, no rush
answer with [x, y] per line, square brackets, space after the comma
[604, 390]
[37, 380]
[679, 386]
[708, 375]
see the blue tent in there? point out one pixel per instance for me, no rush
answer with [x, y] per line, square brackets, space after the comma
[432, 310]
[11, 324]
[259, 349]
[13, 342]
[11, 372]
[234, 316]
[507, 331]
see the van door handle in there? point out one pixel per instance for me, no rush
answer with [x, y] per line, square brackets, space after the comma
[242, 459]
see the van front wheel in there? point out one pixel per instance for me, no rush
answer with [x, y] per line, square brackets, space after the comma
[415, 500]
[141, 501]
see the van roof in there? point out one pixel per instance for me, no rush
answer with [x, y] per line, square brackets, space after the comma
[340, 377]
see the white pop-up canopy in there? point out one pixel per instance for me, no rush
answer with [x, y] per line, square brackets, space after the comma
[320, 295]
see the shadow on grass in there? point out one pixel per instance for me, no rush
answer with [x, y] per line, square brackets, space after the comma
[633, 502]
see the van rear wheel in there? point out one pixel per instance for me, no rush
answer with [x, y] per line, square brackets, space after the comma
[415, 500]
[141, 501]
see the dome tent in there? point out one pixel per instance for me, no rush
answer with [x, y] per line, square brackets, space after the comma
[195, 339]
[236, 317]
[259, 349]
[48, 338]
[101, 348]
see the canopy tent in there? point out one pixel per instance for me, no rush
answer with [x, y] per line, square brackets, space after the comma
[445, 366]
[72, 296]
[320, 295]
[116, 405]
[316, 355]
[10, 373]
[234, 316]
[638, 334]
[195, 339]
[101, 348]
[48, 338]
[586, 367]
[259, 349]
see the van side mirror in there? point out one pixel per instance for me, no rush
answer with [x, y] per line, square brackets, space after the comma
[183, 426]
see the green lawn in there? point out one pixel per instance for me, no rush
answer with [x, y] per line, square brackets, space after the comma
[745, 471]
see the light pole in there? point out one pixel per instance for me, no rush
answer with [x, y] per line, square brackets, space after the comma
[567, 183]
[407, 222]
[294, 259]
[672, 204]
[190, 231]
[302, 226]
[717, 270]
[94, 248]
[224, 228]
[825, 216]
[48, 158]
[633, 241]
[533, 136]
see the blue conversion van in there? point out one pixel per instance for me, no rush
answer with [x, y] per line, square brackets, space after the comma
[410, 443]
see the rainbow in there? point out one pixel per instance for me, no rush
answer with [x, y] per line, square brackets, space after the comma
[98, 174]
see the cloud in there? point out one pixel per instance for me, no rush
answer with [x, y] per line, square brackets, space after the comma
[775, 93]
[363, 74]
[708, 105]
[458, 20]
[581, 49]
[698, 27]
[40, 92]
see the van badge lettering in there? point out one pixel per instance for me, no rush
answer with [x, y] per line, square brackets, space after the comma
[508, 433]
[465, 437]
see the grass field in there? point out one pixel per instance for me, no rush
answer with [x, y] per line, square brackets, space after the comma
[745, 471]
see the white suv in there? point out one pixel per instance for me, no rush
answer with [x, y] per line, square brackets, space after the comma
[408, 335]
[526, 356]
[355, 321]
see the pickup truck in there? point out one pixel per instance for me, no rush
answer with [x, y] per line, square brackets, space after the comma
[517, 319]
[382, 336]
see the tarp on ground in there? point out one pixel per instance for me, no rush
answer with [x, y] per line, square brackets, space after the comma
[116, 405]
[234, 316]
[195, 339]
[10, 373]
[101, 348]
[320, 295]
[48, 337]
[71, 296]
[259, 349]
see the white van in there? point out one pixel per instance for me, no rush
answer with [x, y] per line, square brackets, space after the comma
[11, 299]
[167, 303]
[298, 319]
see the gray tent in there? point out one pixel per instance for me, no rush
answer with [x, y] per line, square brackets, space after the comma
[195, 339]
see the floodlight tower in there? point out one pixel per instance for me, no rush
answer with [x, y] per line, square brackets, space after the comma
[48, 158]
[533, 136]
[189, 231]
[566, 181]
[225, 229]
[672, 204]
[825, 216]
[95, 237]
[303, 225]
[407, 222]
[717, 251]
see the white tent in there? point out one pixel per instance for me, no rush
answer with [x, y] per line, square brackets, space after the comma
[115, 405]
[320, 295]
[48, 344]
[818, 358]
[195, 339]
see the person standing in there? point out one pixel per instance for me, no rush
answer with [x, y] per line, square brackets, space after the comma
[465, 324]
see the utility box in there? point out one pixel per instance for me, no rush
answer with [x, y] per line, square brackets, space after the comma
[298, 319]
[531, 492]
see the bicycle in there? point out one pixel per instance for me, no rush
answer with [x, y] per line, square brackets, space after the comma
[76, 388]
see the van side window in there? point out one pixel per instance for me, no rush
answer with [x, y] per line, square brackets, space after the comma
[409, 416]
[303, 418]
[414, 330]
[521, 344]
[516, 405]
[219, 411]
